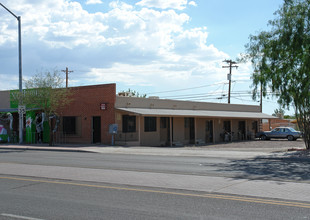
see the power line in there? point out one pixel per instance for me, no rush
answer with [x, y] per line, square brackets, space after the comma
[177, 90]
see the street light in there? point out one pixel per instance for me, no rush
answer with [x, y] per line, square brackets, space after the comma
[21, 119]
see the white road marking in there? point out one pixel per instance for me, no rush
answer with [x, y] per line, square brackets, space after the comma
[20, 217]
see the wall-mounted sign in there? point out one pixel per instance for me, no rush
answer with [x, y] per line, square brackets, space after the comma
[113, 128]
[103, 106]
[21, 109]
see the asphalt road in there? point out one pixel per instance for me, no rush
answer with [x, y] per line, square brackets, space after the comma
[280, 169]
[67, 185]
[35, 199]
[161, 164]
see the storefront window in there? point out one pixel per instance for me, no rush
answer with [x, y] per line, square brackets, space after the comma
[129, 123]
[69, 125]
[149, 124]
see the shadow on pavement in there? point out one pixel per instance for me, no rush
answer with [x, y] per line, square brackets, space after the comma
[293, 167]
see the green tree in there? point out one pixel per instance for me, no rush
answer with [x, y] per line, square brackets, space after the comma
[289, 117]
[279, 112]
[131, 93]
[281, 60]
[45, 91]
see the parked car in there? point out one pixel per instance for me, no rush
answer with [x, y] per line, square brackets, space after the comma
[280, 132]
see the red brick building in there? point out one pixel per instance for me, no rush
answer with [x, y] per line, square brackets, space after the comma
[87, 118]
[273, 123]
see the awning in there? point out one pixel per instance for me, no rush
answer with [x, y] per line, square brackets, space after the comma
[8, 110]
[195, 113]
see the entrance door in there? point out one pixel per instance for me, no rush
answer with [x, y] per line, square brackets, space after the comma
[96, 129]
[209, 131]
[189, 125]
[192, 130]
[165, 131]
[227, 127]
[227, 131]
[241, 130]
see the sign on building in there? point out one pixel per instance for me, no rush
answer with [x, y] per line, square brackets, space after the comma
[103, 106]
[113, 128]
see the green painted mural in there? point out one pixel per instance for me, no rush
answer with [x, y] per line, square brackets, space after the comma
[31, 132]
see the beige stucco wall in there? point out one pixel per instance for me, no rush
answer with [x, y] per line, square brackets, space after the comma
[180, 133]
[150, 138]
[178, 129]
[200, 128]
[140, 137]
[4, 99]
[134, 102]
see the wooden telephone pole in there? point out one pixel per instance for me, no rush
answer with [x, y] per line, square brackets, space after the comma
[231, 65]
[67, 73]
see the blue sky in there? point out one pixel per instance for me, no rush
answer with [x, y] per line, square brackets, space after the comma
[167, 48]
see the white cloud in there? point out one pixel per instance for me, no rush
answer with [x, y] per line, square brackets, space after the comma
[163, 4]
[121, 5]
[192, 3]
[8, 81]
[92, 2]
[138, 46]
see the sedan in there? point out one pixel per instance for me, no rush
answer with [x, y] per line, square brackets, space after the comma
[280, 132]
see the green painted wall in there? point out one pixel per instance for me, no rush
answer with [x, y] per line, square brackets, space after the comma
[30, 117]
[31, 135]
[46, 133]
[30, 127]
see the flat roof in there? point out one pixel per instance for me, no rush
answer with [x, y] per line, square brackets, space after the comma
[195, 113]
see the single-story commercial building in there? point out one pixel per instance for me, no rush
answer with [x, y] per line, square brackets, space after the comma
[161, 122]
[142, 121]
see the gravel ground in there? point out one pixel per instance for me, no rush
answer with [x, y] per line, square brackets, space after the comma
[276, 145]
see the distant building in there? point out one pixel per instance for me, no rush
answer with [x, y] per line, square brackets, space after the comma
[277, 122]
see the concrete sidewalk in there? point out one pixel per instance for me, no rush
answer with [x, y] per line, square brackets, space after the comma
[202, 151]
[210, 184]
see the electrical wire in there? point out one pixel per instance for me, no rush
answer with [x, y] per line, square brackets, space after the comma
[177, 90]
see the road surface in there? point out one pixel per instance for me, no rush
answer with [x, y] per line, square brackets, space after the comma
[68, 185]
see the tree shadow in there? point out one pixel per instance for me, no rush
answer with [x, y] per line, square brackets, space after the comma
[289, 168]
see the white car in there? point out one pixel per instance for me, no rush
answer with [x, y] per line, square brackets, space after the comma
[280, 132]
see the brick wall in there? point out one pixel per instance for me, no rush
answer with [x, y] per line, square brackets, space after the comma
[85, 105]
[278, 123]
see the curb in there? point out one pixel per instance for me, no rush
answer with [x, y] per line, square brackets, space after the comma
[47, 149]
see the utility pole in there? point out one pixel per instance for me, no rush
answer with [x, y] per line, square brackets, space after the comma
[261, 107]
[21, 107]
[231, 65]
[67, 73]
[261, 97]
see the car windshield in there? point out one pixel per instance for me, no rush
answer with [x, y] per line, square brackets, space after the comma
[292, 129]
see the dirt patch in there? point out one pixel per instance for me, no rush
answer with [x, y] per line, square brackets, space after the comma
[259, 145]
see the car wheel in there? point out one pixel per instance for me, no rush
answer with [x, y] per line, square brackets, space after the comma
[290, 138]
[263, 137]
